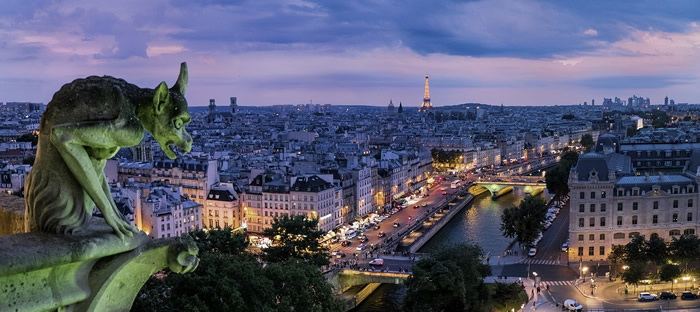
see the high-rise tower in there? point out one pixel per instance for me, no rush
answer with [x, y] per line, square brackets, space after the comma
[426, 99]
[234, 105]
[391, 106]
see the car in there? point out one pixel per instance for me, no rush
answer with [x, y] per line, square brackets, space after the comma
[381, 234]
[334, 253]
[376, 227]
[423, 204]
[572, 305]
[688, 295]
[565, 247]
[444, 193]
[645, 296]
[346, 243]
[364, 240]
[340, 255]
[396, 224]
[361, 247]
[415, 207]
[667, 295]
[377, 262]
[532, 252]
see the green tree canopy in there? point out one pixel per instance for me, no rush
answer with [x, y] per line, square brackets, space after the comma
[669, 272]
[634, 273]
[29, 137]
[525, 221]
[685, 249]
[295, 238]
[631, 131]
[448, 280]
[616, 256]
[655, 250]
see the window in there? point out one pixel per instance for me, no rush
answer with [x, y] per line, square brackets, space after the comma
[592, 195]
[635, 192]
[690, 216]
[592, 207]
[602, 207]
[602, 236]
[634, 206]
[674, 218]
[689, 231]
[582, 195]
[580, 251]
[591, 237]
[674, 232]
[675, 203]
[634, 220]
[602, 194]
[591, 250]
[580, 237]
[656, 205]
[620, 192]
[619, 220]
[591, 222]
[690, 203]
[655, 219]
[619, 206]
[580, 222]
[619, 236]
[602, 221]
[581, 208]
[602, 250]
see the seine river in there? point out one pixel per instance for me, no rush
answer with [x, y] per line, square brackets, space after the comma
[478, 223]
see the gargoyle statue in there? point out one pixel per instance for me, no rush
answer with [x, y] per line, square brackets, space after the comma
[86, 123]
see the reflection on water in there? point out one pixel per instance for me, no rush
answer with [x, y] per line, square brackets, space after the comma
[480, 224]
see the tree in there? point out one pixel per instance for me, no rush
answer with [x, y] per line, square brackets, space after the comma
[557, 180]
[616, 255]
[587, 141]
[568, 117]
[295, 238]
[29, 160]
[685, 249]
[569, 159]
[635, 250]
[224, 241]
[450, 279]
[655, 250]
[633, 274]
[687, 118]
[631, 131]
[525, 221]
[669, 272]
[29, 137]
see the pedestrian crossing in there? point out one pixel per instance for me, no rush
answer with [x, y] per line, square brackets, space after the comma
[556, 283]
[540, 261]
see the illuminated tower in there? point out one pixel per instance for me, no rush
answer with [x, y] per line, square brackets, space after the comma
[426, 99]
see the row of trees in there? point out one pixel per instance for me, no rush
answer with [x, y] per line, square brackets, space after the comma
[284, 277]
[524, 222]
[640, 252]
[446, 157]
[557, 178]
[452, 279]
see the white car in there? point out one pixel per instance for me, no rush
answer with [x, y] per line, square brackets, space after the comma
[377, 262]
[361, 247]
[572, 305]
[645, 296]
[565, 247]
[533, 252]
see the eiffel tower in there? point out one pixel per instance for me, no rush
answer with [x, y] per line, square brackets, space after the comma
[426, 99]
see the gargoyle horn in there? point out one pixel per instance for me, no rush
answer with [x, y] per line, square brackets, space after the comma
[181, 84]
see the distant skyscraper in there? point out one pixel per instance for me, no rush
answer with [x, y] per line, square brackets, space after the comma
[666, 100]
[234, 105]
[391, 106]
[212, 105]
[426, 99]
[592, 102]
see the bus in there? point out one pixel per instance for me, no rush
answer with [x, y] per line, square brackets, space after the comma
[454, 184]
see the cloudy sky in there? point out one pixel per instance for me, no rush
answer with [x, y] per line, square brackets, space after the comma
[265, 52]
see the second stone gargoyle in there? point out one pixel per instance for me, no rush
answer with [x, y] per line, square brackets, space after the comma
[86, 123]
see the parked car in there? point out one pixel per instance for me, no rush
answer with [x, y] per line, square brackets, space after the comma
[346, 243]
[444, 193]
[688, 295]
[667, 295]
[377, 262]
[565, 247]
[396, 224]
[364, 239]
[572, 305]
[532, 252]
[381, 234]
[423, 205]
[340, 255]
[645, 296]
[376, 227]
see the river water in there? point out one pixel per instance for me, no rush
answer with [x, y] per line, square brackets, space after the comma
[478, 223]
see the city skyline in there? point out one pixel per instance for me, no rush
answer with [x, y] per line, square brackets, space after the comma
[267, 53]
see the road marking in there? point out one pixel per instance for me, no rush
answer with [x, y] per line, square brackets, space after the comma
[556, 283]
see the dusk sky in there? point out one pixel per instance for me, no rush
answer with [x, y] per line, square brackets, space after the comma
[517, 52]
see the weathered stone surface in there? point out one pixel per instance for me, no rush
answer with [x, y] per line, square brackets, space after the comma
[11, 214]
[85, 123]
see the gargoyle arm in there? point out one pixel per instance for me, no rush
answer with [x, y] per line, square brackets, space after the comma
[70, 141]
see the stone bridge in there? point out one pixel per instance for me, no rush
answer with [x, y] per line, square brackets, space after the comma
[342, 280]
[502, 187]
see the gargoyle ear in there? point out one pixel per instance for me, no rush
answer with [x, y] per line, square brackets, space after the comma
[160, 97]
[181, 84]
